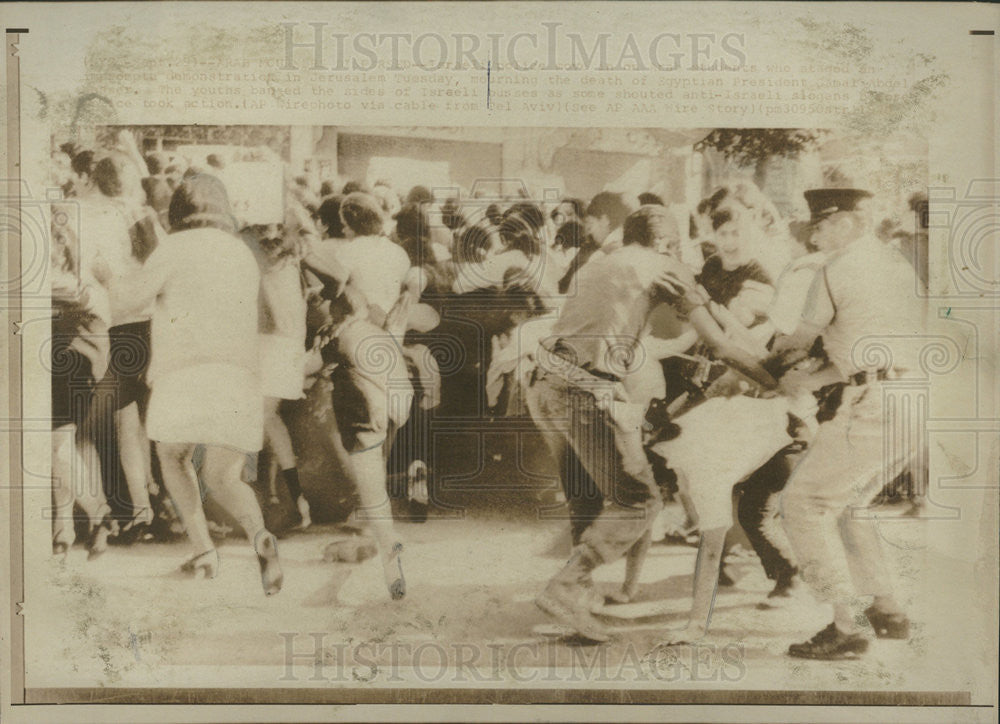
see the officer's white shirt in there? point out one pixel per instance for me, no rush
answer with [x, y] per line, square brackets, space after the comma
[792, 291]
[865, 302]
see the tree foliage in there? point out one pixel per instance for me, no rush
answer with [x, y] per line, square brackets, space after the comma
[752, 146]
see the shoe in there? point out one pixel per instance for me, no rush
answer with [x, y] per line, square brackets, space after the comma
[303, 505]
[568, 604]
[830, 644]
[271, 577]
[888, 625]
[203, 565]
[98, 542]
[139, 529]
[61, 543]
[418, 491]
[392, 568]
[143, 516]
[782, 593]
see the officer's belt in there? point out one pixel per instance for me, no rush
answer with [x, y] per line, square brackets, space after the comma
[859, 379]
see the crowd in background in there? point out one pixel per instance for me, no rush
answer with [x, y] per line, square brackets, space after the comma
[352, 272]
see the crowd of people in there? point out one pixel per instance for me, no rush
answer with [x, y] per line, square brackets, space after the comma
[665, 355]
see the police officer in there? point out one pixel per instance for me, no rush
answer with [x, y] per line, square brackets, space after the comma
[862, 301]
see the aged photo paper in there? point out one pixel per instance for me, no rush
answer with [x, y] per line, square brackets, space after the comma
[497, 361]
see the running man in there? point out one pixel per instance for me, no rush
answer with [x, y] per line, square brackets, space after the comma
[577, 399]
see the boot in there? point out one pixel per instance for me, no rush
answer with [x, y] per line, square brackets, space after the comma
[567, 597]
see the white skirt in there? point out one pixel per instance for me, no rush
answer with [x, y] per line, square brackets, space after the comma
[208, 404]
[282, 367]
[723, 441]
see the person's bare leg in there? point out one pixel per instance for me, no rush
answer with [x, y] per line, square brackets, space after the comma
[64, 457]
[706, 578]
[88, 493]
[634, 560]
[182, 484]
[368, 472]
[222, 471]
[135, 460]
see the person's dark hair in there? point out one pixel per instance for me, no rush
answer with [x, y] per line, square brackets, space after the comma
[329, 215]
[494, 213]
[82, 163]
[579, 208]
[472, 244]
[517, 297]
[215, 161]
[326, 189]
[362, 213]
[704, 206]
[155, 163]
[716, 199]
[201, 202]
[570, 235]
[529, 213]
[419, 195]
[649, 223]
[451, 214]
[352, 187]
[109, 174]
[723, 216]
[649, 198]
[70, 149]
[519, 234]
[413, 234]
[610, 204]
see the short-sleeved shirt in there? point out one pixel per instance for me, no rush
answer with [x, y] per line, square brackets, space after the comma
[865, 299]
[723, 285]
[792, 291]
[606, 317]
[377, 268]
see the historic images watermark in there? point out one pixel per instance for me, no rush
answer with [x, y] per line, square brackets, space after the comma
[317, 657]
[319, 46]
